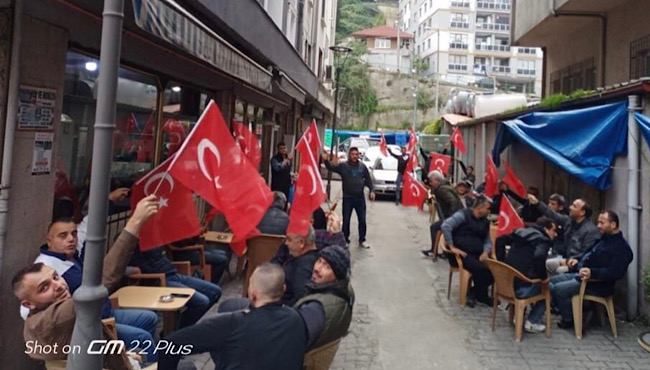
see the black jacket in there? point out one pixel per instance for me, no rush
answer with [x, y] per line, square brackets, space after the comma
[528, 251]
[401, 161]
[297, 274]
[275, 220]
[354, 176]
[608, 261]
[281, 179]
[271, 337]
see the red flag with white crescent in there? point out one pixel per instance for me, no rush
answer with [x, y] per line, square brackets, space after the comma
[457, 139]
[440, 162]
[383, 148]
[176, 133]
[513, 181]
[413, 192]
[211, 164]
[176, 218]
[491, 178]
[509, 220]
[309, 193]
[311, 140]
[248, 143]
[413, 140]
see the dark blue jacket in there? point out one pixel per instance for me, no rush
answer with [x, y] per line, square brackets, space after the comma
[608, 261]
[354, 177]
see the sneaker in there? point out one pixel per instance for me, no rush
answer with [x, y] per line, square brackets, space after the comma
[486, 301]
[427, 253]
[565, 324]
[364, 245]
[534, 328]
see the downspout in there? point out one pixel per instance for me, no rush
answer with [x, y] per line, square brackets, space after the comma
[633, 207]
[10, 125]
[483, 154]
[603, 33]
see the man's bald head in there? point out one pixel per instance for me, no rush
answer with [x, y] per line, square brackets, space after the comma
[266, 284]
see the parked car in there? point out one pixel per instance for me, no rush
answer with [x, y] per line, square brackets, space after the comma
[374, 152]
[384, 174]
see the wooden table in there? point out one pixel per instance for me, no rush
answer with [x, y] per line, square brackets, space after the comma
[148, 298]
[217, 237]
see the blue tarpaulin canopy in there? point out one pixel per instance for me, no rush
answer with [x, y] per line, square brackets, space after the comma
[582, 142]
[644, 126]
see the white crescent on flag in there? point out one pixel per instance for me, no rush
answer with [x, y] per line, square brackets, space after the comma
[415, 190]
[312, 176]
[209, 145]
[504, 226]
[163, 176]
[439, 163]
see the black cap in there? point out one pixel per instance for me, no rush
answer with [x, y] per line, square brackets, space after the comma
[338, 259]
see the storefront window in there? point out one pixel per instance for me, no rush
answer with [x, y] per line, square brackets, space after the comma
[134, 136]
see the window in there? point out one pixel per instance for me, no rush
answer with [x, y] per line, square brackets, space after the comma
[640, 57]
[133, 139]
[526, 67]
[418, 50]
[429, 43]
[458, 41]
[459, 20]
[581, 75]
[457, 62]
[382, 43]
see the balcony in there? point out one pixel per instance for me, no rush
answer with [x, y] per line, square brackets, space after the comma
[487, 5]
[529, 51]
[526, 72]
[457, 67]
[458, 46]
[459, 24]
[500, 70]
[460, 4]
[495, 27]
[494, 48]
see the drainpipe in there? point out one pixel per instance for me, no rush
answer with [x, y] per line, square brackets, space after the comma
[90, 297]
[10, 124]
[603, 32]
[633, 207]
[482, 160]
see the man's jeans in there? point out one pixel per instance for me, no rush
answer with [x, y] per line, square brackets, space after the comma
[205, 296]
[136, 328]
[359, 205]
[433, 230]
[398, 188]
[563, 288]
[535, 315]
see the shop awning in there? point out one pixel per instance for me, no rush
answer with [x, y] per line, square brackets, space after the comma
[582, 142]
[170, 22]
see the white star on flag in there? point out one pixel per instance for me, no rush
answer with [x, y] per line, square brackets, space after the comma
[163, 202]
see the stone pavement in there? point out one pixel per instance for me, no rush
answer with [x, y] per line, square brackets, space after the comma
[403, 320]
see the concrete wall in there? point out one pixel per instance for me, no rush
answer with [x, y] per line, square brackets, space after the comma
[529, 13]
[42, 65]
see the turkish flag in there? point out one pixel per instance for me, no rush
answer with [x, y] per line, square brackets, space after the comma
[513, 181]
[145, 152]
[413, 161]
[248, 143]
[509, 220]
[176, 135]
[176, 218]
[131, 124]
[458, 141]
[413, 193]
[383, 148]
[211, 164]
[491, 178]
[413, 140]
[309, 193]
[310, 139]
[440, 162]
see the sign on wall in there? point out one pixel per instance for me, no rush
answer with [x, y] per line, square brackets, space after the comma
[42, 160]
[36, 108]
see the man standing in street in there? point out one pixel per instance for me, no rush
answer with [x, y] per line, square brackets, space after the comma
[402, 160]
[281, 170]
[355, 178]
[447, 202]
[580, 234]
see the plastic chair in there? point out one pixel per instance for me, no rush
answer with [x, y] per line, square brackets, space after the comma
[203, 266]
[504, 279]
[465, 276]
[260, 249]
[577, 301]
[321, 358]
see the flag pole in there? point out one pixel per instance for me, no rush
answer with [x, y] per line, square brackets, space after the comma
[90, 297]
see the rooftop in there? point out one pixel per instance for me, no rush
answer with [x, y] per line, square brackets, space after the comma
[382, 31]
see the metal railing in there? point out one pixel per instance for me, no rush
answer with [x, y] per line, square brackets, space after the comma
[493, 27]
[458, 45]
[493, 6]
[457, 67]
[497, 48]
[458, 24]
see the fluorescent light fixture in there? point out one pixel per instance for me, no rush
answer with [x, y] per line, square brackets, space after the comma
[91, 66]
[176, 88]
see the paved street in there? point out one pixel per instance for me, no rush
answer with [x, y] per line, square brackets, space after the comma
[403, 320]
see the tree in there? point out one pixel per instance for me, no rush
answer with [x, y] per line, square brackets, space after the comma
[420, 64]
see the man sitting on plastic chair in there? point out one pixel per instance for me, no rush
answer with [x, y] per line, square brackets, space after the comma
[605, 263]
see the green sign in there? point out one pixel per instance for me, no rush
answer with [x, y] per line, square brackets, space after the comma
[328, 138]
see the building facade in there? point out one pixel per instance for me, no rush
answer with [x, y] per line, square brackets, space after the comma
[243, 54]
[385, 50]
[468, 42]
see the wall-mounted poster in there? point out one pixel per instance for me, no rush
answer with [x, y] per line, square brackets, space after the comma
[36, 108]
[42, 160]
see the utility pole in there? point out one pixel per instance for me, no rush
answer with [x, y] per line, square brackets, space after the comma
[415, 103]
[399, 46]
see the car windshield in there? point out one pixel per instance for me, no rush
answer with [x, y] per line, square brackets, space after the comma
[386, 164]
